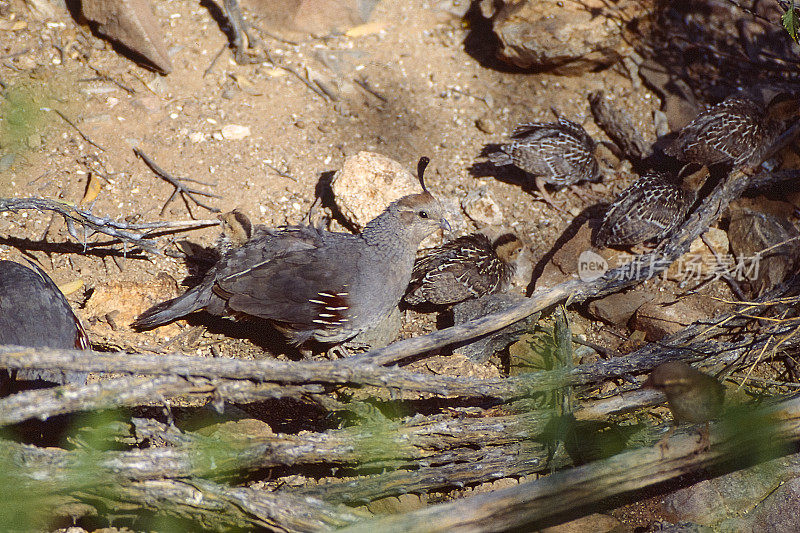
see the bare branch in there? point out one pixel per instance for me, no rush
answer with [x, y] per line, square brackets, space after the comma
[186, 193]
[124, 231]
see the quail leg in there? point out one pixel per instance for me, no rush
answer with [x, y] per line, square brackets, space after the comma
[663, 443]
[239, 28]
[704, 444]
[540, 186]
[583, 194]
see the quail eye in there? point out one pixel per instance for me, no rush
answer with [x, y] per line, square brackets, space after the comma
[423, 214]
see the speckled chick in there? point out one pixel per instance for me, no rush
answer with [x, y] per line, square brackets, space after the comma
[467, 267]
[649, 209]
[693, 397]
[34, 312]
[738, 131]
[312, 283]
[236, 230]
[559, 153]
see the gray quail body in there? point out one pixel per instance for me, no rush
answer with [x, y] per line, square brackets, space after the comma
[311, 283]
[649, 209]
[738, 131]
[34, 312]
[467, 267]
[559, 153]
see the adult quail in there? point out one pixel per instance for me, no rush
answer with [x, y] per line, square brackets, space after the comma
[649, 209]
[693, 397]
[738, 131]
[34, 312]
[467, 267]
[558, 153]
[312, 283]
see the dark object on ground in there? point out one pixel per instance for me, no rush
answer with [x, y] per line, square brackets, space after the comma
[33, 312]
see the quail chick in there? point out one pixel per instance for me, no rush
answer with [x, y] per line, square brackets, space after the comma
[467, 267]
[649, 209]
[693, 397]
[312, 283]
[34, 312]
[236, 231]
[738, 131]
[558, 153]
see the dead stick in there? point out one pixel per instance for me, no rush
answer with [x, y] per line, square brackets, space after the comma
[524, 505]
[136, 390]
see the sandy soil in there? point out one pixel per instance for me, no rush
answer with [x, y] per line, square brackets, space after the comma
[435, 99]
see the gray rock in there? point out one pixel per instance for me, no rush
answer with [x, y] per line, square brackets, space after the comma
[568, 37]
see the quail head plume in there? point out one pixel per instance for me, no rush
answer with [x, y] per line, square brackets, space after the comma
[312, 283]
[34, 312]
[467, 267]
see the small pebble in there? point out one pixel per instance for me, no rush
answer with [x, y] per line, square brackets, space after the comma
[6, 162]
[486, 125]
[197, 137]
[235, 132]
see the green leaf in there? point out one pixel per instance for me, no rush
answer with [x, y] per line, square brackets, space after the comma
[791, 22]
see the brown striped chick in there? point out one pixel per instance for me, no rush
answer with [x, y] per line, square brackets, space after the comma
[467, 267]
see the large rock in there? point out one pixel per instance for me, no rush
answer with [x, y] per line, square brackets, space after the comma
[568, 37]
[619, 307]
[659, 319]
[316, 17]
[767, 248]
[132, 24]
[367, 183]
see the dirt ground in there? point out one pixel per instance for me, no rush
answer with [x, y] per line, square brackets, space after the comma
[428, 96]
[435, 100]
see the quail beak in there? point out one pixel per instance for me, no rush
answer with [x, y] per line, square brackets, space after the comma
[445, 225]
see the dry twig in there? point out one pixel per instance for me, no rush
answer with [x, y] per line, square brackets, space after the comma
[125, 231]
[187, 194]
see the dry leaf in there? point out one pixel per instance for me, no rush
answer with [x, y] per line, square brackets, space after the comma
[365, 29]
[92, 189]
[70, 287]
